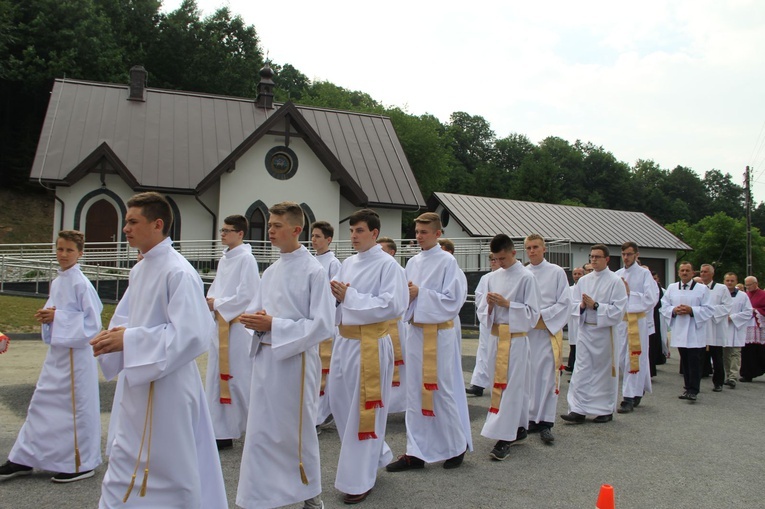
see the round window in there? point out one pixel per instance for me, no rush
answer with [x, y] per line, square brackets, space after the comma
[281, 163]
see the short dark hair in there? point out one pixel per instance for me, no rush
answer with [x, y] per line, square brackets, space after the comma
[75, 236]
[685, 262]
[291, 211]
[501, 242]
[368, 216]
[326, 229]
[447, 245]
[239, 222]
[154, 206]
[388, 242]
[630, 244]
[602, 248]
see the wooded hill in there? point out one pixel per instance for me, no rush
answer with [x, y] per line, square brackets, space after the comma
[100, 40]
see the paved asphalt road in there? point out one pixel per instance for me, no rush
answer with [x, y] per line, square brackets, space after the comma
[667, 454]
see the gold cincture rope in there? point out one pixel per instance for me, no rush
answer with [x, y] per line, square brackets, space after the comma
[148, 422]
[303, 477]
[77, 462]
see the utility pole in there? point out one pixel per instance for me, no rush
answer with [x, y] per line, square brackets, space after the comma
[748, 198]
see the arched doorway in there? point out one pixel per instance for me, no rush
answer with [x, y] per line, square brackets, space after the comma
[102, 225]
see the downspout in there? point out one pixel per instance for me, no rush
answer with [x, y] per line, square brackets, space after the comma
[215, 218]
[61, 222]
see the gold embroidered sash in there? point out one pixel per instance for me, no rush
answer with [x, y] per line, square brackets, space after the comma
[556, 341]
[325, 354]
[430, 361]
[370, 395]
[398, 357]
[223, 357]
[633, 339]
[502, 362]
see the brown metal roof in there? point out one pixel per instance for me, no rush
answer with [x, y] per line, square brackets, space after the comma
[183, 141]
[485, 217]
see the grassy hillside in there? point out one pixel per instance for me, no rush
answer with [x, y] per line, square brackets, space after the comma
[26, 216]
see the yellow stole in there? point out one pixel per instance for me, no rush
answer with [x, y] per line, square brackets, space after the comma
[430, 361]
[502, 362]
[370, 395]
[223, 357]
[398, 357]
[633, 339]
[556, 340]
[325, 354]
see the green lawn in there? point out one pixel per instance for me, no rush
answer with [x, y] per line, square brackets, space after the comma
[17, 313]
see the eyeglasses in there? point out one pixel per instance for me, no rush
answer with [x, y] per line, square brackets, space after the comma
[226, 230]
[596, 257]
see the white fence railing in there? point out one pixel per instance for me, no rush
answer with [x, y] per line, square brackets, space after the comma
[29, 268]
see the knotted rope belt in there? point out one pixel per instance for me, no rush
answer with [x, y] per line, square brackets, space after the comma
[148, 424]
[502, 362]
[398, 356]
[370, 394]
[556, 340]
[430, 361]
[633, 339]
[77, 462]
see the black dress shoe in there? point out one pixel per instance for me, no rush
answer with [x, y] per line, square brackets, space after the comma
[405, 462]
[227, 443]
[718, 388]
[636, 401]
[533, 427]
[603, 418]
[355, 499]
[455, 461]
[475, 390]
[626, 407]
[546, 435]
[573, 417]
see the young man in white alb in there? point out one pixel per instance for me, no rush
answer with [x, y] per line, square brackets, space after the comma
[291, 316]
[510, 310]
[372, 291]
[437, 420]
[321, 237]
[229, 368]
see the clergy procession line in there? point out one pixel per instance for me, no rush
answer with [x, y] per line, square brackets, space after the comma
[314, 339]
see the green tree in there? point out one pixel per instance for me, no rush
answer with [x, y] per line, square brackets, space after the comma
[291, 84]
[720, 240]
[724, 195]
[688, 194]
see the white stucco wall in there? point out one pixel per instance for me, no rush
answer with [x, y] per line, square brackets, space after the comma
[250, 182]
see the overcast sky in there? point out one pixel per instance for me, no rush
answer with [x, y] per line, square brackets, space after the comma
[679, 82]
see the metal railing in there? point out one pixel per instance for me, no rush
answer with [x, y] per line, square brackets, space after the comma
[29, 268]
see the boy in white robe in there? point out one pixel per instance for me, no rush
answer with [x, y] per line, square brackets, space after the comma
[372, 291]
[546, 338]
[62, 431]
[398, 338]
[229, 367]
[437, 420]
[634, 329]
[510, 310]
[321, 237]
[741, 316]
[291, 315]
[162, 404]
[595, 380]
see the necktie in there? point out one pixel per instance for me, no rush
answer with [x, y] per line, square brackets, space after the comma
[685, 286]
